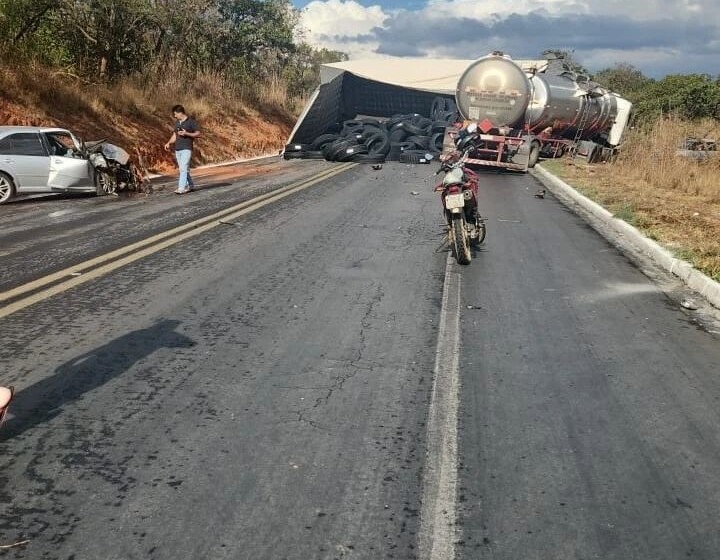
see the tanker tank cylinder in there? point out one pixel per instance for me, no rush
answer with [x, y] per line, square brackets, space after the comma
[496, 89]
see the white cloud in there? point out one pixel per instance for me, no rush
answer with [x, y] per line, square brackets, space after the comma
[658, 36]
[488, 8]
[338, 25]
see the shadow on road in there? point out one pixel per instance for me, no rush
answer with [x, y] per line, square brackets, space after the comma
[45, 399]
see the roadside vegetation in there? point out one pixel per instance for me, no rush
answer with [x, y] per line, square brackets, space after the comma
[112, 68]
[672, 199]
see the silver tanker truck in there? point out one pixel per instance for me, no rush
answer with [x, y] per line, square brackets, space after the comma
[522, 113]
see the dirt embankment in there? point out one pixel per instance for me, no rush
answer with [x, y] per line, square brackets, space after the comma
[137, 120]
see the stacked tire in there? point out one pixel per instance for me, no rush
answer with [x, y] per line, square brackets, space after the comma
[409, 138]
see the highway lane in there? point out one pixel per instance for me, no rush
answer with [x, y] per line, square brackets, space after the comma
[255, 392]
[41, 235]
[262, 390]
[589, 410]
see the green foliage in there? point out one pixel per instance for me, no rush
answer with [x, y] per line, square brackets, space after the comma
[691, 96]
[250, 27]
[245, 40]
[624, 79]
[303, 70]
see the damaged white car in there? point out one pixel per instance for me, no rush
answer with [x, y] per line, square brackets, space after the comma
[47, 160]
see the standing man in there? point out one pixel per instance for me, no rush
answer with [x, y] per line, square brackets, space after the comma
[186, 130]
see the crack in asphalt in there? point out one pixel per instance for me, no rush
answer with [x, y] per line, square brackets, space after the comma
[355, 364]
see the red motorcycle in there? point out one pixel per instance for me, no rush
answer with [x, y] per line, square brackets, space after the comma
[458, 192]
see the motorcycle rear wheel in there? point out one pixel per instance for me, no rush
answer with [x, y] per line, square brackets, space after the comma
[459, 240]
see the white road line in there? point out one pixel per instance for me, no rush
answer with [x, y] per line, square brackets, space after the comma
[437, 536]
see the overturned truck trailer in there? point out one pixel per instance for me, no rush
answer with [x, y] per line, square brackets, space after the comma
[394, 109]
[523, 107]
[375, 88]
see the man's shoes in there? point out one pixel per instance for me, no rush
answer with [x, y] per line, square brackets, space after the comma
[182, 191]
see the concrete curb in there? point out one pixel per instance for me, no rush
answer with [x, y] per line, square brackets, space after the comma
[693, 278]
[221, 164]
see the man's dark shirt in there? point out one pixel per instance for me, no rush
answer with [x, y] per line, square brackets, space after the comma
[185, 142]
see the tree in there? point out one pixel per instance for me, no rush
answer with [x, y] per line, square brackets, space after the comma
[624, 79]
[253, 26]
[303, 69]
[691, 96]
[108, 34]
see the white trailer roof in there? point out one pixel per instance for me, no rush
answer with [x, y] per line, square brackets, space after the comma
[435, 75]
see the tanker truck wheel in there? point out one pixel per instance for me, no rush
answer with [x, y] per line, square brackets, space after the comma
[534, 154]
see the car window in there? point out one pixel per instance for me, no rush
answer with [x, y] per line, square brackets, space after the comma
[22, 144]
[61, 144]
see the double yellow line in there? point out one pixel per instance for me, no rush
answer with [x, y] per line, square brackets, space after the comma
[61, 281]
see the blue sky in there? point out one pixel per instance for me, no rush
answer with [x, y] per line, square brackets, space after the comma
[657, 36]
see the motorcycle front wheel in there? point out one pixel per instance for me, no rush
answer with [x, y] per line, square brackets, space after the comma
[459, 240]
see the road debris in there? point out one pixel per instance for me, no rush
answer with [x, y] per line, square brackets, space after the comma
[689, 304]
[414, 193]
[20, 543]
[540, 194]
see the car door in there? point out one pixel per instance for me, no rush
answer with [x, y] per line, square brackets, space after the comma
[24, 157]
[68, 168]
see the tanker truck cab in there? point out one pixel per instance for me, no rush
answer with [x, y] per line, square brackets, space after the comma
[527, 108]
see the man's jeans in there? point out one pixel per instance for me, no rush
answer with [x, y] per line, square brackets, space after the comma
[185, 182]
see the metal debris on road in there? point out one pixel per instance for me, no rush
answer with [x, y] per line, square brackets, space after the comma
[20, 543]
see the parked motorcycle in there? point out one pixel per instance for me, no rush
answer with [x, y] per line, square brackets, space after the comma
[114, 169]
[458, 193]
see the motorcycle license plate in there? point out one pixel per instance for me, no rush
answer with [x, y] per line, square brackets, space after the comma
[454, 201]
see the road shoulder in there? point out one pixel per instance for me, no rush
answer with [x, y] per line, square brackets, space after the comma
[678, 278]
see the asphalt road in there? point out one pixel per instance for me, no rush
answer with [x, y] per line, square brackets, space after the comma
[263, 390]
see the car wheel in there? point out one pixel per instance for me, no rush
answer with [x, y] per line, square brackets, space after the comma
[103, 184]
[7, 188]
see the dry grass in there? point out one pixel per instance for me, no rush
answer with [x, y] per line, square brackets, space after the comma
[236, 121]
[649, 157]
[671, 199]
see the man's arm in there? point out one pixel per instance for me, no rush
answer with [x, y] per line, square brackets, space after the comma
[171, 141]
